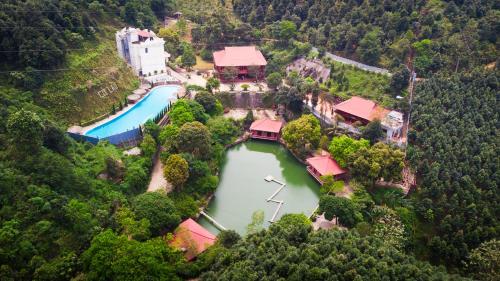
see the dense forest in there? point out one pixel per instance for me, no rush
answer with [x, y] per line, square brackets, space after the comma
[441, 34]
[455, 151]
[74, 211]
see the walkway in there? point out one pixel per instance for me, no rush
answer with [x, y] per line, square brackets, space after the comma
[158, 181]
[356, 64]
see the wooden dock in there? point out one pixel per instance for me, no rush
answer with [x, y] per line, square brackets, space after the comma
[213, 221]
[271, 198]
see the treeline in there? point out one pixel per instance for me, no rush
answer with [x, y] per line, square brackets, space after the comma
[289, 250]
[454, 149]
[444, 34]
[37, 34]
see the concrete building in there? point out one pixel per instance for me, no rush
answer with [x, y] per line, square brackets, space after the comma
[143, 51]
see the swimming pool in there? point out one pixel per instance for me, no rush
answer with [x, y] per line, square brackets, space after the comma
[145, 109]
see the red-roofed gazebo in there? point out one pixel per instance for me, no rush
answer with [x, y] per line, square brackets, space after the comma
[192, 239]
[266, 129]
[240, 58]
[323, 166]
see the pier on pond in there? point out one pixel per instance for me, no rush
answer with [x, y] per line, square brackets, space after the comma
[270, 199]
[213, 221]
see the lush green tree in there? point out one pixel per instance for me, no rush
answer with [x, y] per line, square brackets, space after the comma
[222, 130]
[343, 146]
[194, 138]
[389, 228]
[292, 220]
[274, 80]
[82, 218]
[291, 97]
[483, 262]
[287, 30]
[308, 255]
[158, 209]
[113, 257]
[176, 170]
[376, 162]
[373, 131]
[26, 130]
[369, 47]
[212, 84]
[249, 118]
[207, 100]
[400, 79]
[344, 209]
[184, 111]
[228, 238]
[188, 58]
[148, 146]
[302, 135]
[150, 127]
[453, 147]
[55, 139]
[132, 228]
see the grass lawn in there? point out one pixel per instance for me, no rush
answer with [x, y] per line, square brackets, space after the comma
[80, 94]
[362, 83]
[202, 65]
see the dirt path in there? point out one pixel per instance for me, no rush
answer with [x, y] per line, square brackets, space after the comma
[158, 181]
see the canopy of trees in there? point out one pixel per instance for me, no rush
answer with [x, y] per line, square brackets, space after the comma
[455, 34]
[302, 135]
[454, 150]
[291, 251]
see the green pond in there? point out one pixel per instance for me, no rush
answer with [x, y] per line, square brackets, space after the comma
[242, 189]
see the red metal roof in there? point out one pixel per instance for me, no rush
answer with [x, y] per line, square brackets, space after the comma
[325, 165]
[267, 125]
[192, 238]
[239, 56]
[358, 107]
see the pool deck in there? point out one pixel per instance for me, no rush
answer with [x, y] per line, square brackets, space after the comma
[120, 112]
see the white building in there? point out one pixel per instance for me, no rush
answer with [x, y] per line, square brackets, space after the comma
[392, 124]
[142, 50]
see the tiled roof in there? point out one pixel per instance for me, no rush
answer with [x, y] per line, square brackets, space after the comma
[239, 56]
[192, 238]
[358, 107]
[325, 165]
[267, 125]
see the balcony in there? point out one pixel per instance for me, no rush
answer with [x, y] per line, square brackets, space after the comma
[313, 173]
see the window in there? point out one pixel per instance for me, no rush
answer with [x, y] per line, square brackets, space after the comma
[146, 50]
[156, 72]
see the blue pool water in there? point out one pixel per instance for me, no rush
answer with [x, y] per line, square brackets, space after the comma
[145, 109]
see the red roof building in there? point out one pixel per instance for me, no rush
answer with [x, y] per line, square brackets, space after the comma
[324, 166]
[241, 59]
[266, 129]
[192, 239]
[359, 109]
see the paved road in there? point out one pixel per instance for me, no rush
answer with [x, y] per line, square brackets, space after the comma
[356, 64]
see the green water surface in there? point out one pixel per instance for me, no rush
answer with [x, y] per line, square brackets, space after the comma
[242, 189]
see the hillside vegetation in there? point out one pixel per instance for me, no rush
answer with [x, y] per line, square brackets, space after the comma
[96, 80]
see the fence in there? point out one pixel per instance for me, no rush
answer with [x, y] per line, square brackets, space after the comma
[126, 138]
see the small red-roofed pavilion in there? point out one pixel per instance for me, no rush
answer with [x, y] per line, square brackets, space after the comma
[192, 239]
[324, 166]
[266, 129]
[240, 58]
